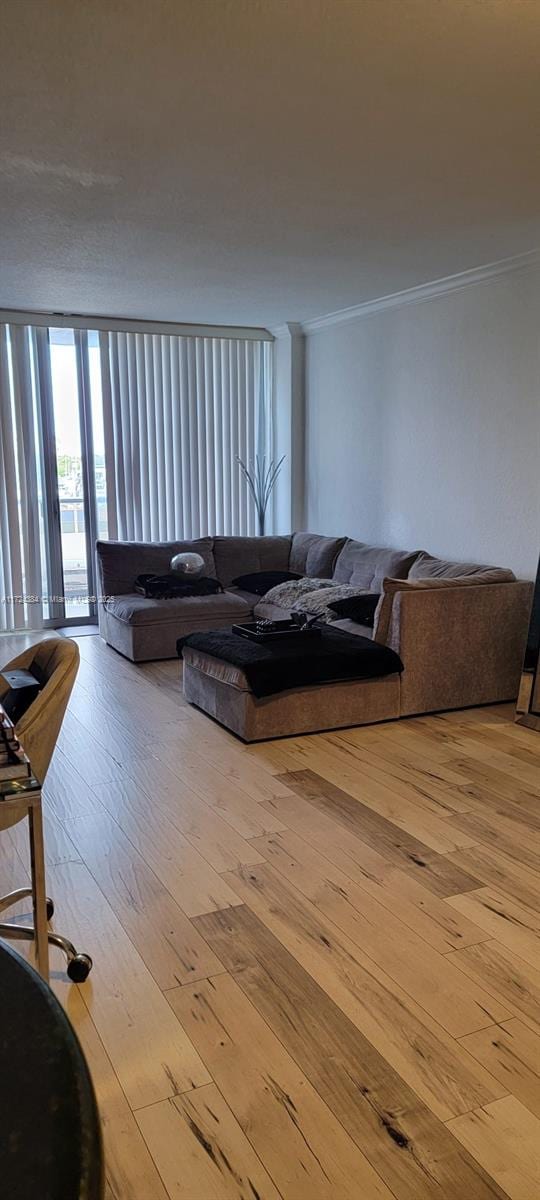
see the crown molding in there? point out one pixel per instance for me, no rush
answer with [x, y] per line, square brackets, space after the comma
[287, 329]
[426, 291]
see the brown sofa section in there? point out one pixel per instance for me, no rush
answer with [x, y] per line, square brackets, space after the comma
[222, 691]
[461, 644]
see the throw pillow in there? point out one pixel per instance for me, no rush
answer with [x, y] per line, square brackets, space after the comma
[319, 601]
[260, 582]
[357, 608]
[285, 594]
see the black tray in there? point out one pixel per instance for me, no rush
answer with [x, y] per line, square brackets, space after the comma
[281, 631]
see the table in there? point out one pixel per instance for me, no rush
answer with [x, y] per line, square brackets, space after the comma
[50, 1139]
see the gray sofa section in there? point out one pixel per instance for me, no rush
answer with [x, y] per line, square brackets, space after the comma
[146, 630]
[223, 693]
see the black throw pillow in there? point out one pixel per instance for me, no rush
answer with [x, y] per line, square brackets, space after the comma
[260, 582]
[357, 608]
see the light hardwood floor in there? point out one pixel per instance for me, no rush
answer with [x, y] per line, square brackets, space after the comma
[317, 961]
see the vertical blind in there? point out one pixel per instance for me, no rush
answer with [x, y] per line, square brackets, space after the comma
[178, 412]
[21, 530]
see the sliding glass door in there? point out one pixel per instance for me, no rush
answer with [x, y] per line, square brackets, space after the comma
[130, 433]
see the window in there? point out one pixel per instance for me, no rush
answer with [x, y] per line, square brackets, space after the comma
[130, 434]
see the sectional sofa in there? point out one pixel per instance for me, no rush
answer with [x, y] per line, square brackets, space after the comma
[459, 628]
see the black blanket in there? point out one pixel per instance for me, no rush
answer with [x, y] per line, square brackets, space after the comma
[170, 587]
[299, 661]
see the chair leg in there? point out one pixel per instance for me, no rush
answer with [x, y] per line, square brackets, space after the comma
[78, 965]
[13, 897]
[39, 899]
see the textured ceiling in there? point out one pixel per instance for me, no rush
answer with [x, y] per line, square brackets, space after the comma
[255, 161]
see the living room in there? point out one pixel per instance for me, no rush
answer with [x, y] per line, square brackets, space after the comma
[270, 631]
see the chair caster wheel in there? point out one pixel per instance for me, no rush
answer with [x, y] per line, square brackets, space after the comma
[50, 909]
[79, 968]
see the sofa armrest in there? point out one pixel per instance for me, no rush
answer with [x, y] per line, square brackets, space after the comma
[460, 644]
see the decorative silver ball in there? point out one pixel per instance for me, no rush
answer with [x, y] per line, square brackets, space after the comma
[187, 564]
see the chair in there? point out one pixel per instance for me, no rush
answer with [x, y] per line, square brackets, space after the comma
[54, 662]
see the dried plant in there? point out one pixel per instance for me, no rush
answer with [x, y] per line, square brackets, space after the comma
[261, 480]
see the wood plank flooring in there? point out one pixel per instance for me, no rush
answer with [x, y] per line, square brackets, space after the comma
[317, 960]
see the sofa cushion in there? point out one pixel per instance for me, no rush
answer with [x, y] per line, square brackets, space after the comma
[119, 563]
[139, 610]
[367, 565]
[315, 555]
[245, 555]
[428, 567]
[216, 668]
[455, 581]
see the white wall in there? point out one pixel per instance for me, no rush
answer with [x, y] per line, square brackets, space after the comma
[423, 425]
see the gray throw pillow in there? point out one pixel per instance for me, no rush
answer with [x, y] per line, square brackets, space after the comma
[319, 600]
[285, 594]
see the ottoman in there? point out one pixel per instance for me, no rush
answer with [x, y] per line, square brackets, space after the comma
[221, 689]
